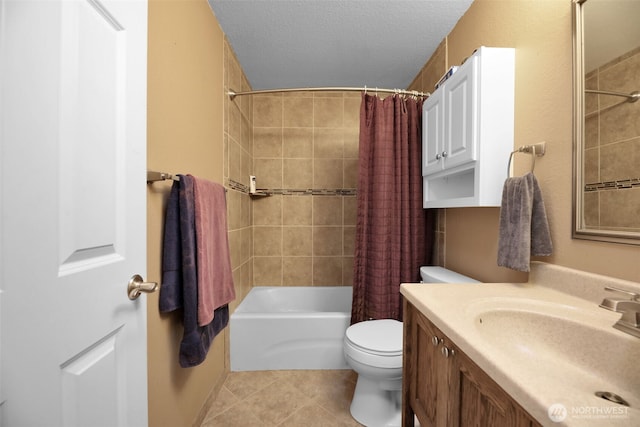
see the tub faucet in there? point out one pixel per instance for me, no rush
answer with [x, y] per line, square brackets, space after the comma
[630, 309]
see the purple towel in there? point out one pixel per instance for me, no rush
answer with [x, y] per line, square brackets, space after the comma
[180, 276]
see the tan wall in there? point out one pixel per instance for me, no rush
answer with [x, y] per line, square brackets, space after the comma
[185, 135]
[541, 32]
[305, 141]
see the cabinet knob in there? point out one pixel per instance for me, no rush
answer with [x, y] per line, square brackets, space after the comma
[444, 154]
[436, 341]
[448, 352]
[438, 156]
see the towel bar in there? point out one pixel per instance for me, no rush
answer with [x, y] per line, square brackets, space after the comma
[536, 150]
[153, 176]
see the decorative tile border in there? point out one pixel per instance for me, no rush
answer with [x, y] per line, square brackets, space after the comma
[293, 191]
[613, 185]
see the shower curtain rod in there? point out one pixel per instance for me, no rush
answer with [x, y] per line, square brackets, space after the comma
[232, 94]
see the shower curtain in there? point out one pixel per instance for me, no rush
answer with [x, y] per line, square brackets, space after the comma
[394, 234]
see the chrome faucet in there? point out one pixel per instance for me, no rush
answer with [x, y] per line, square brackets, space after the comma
[630, 309]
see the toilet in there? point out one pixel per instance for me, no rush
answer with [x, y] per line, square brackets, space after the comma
[374, 350]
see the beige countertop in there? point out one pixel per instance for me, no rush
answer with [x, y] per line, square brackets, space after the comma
[546, 342]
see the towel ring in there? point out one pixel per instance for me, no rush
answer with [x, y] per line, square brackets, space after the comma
[528, 150]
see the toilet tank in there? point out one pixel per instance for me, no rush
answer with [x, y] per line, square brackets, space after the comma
[433, 274]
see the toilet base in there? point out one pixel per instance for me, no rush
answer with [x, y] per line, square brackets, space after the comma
[375, 407]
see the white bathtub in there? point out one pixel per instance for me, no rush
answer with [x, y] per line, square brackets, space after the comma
[298, 327]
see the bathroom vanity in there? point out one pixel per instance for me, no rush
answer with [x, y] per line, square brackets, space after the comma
[539, 353]
[444, 387]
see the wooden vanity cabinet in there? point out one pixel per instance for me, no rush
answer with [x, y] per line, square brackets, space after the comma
[445, 388]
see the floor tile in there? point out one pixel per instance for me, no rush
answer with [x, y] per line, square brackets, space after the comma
[315, 398]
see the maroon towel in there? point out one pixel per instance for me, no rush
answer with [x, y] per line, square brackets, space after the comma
[215, 280]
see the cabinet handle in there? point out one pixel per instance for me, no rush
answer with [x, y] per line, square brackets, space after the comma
[436, 341]
[448, 352]
[444, 154]
[438, 156]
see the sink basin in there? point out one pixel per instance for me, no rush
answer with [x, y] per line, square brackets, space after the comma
[545, 342]
[574, 343]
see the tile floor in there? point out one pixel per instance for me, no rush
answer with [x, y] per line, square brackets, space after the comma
[284, 398]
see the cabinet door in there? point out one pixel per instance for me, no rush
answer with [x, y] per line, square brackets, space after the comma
[432, 133]
[474, 398]
[460, 100]
[423, 371]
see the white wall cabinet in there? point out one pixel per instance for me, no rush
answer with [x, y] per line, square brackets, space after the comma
[468, 132]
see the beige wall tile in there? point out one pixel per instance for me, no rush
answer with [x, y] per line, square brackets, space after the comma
[268, 173]
[328, 143]
[328, 112]
[297, 271]
[267, 211]
[620, 209]
[348, 241]
[591, 131]
[267, 271]
[620, 161]
[352, 112]
[267, 241]
[297, 241]
[267, 142]
[327, 271]
[620, 122]
[324, 173]
[297, 142]
[235, 160]
[246, 244]
[267, 111]
[297, 173]
[350, 173]
[298, 112]
[592, 167]
[297, 210]
[235, 122]
[592, 209]
[350, 211]
[327, 241]
[351, 138]
[347, 271]
[327, 210]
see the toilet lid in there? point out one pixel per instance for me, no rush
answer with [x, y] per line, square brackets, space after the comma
[383, 337]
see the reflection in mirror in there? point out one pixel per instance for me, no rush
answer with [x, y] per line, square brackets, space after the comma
[607, 122]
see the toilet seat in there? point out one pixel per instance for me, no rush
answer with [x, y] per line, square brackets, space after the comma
[375, 343]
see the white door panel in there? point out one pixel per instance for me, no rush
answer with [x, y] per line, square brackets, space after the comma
[73, 203]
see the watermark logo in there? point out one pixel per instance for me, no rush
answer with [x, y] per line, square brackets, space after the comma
[557, 412]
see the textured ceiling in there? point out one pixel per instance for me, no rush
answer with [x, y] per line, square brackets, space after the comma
[316, 43]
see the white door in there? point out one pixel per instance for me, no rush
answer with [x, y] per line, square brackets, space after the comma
[73, 211]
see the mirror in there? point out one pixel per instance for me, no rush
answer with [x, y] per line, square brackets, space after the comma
[607, 121]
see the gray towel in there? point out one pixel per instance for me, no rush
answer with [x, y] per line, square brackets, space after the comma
[524, 230]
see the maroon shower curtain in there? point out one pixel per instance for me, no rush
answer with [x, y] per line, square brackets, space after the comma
[394, 234]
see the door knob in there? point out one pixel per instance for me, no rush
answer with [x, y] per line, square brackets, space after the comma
[137, 286]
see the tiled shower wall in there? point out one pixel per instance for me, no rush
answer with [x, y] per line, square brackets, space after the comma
[305, 150]
[612, 146]
[302, 146]
[238, 164]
